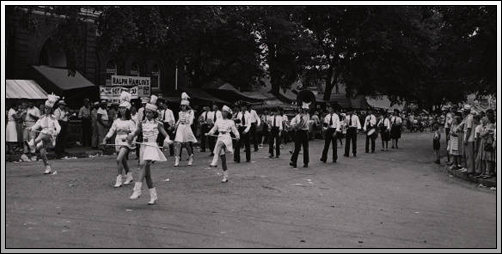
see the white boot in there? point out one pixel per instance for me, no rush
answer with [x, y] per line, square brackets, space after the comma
[214, 162]
[190, 160]
[118, 183]
[128, 178]
[225, 177]
[48, 169]
[153, 196]
[176, 161]
[137, 190]
[31, 144]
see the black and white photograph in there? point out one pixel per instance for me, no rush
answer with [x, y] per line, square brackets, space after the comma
[254, 126]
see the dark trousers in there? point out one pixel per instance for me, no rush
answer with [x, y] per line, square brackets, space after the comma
[86, 132]
[171, 136]
[368, 139]
[274, 135]
[351, 136]
[330, 139]
[61, 138]
[301, 139]
[204, 128]
[253, 137]
[243, 141]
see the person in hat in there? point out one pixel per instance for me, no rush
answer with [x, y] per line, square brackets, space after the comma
[224, 127]
[468, 140]
[384, 127]
[395, 130]
[244, 126]
[49, 129]
[331, 127]
[255, 122]
[353, 125]
[275, 133]
[94, 124]
[184, 133]
[102, 120]
[122, 127]
[301, 123]
[370, 124]
[150, 151]
[61, 113]
[84, 114]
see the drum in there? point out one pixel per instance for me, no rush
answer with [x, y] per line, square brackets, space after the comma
[371, 132]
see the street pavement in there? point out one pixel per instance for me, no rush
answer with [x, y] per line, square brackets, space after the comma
[394, 199]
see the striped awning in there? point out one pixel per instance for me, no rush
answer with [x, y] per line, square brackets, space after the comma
[24, 89]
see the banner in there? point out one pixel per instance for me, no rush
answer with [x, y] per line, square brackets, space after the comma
[112, 93]
[142, 83]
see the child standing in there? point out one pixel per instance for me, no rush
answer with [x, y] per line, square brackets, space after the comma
[436, 142]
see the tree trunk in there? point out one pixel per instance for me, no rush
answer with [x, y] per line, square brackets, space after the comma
[330, 82]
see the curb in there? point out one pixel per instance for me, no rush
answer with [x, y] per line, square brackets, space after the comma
[491, 182]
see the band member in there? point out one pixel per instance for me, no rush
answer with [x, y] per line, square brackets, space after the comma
[395, 131]
[50, 129]
[212, 117]
[150, 152]
[353, 125]
[204, 128]
[255, 121]
[370, 124]
[224, 142]
[184, 133]
[331, 129]
[122, 126]
[301, 124]
[169, 123]
[275, 121]
[243, 125]
[384, 127]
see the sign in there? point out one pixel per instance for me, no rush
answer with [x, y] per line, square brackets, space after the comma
[143, 84]
[112, 93]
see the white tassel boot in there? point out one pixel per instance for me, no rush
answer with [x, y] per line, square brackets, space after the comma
[190, 160]
[225, 177]
[153, 196]
[176, 161]
[48, 169]
[214, 162]
[128, 178]
[137, 190]
[118, 182]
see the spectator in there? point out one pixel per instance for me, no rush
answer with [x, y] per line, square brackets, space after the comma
[454, 142]
[477, 142]
[11, 131]
[487, 146]
[94, 122]
[102, 120]
[436, 142]
[32, 115]
[61, 114]
[20, 116]
[85, 117]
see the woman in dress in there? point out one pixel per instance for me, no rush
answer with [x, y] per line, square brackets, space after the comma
[184, 133]
[486, 152]
[384, 126]
[11, 131]
[224, 127]
[122, 126]
[150, 151]
[50, 129]
[395, 131]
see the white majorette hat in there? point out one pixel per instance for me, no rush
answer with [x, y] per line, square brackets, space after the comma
[184, 99]
[227, 109]
[51, 100]
[305, 105]
[467, 107]
[125, 99]
[152, 104]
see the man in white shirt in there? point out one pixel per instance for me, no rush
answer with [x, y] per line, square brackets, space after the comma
[370, 125]
[301, 124]
[169, 122]
[84, 114]
[469, 134]
[244, 126]
[255, 121]
[204, 128]
[353, 125]
[61, 114]
[275, 134]
[102, 120]
[331, 127]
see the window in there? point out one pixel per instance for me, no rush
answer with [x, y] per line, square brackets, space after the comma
[111, 69]
[155, 76]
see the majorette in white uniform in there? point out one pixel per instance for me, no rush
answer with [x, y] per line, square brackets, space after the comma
[184, 131]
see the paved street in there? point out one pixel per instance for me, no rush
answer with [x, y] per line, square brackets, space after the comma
[395, 199]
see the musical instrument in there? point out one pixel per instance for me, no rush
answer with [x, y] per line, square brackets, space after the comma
[306, 96]
[371, 132]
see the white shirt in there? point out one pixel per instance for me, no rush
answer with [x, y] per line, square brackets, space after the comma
[298, 119]
[396, 120]
[161, 113]
[275, 120]
[370, 120]
[169, 117]
[335, 123]
[224, 127]
[254, 117]
[247, 119]
[355, 122]
[32, 111]
[121, 127]
[185, 117]
[210, 117]
[103, 113]
[61, 115]
[385, 122]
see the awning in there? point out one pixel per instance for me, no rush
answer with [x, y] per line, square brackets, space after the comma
[230, 93]
[24, 89]
[60, 78]
[196, 93]
[382, 102]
